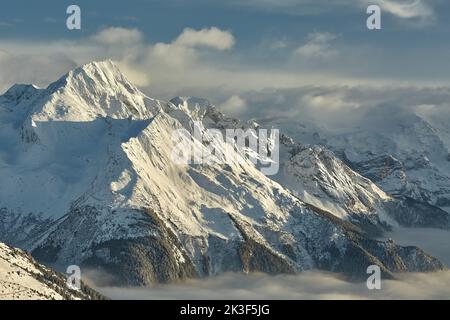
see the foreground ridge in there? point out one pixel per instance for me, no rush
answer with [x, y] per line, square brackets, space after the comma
[23, 278]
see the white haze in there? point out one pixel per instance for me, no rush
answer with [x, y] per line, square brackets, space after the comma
[307, 285]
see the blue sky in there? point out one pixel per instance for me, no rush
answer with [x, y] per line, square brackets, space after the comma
[250, 20]
[274, 43]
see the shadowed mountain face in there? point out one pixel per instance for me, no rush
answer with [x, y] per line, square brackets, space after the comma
[88, 179]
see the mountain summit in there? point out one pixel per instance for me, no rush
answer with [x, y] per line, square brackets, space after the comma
[97, 89]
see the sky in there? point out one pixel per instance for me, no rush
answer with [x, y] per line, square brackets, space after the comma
[218, 49]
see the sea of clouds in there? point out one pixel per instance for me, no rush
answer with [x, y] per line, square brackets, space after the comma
[310, 284]
[307, 285]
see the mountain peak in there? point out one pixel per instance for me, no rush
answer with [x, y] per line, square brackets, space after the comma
[101, 64]
[19, 92]
[98, 69]
[93, 75]
[94, 89]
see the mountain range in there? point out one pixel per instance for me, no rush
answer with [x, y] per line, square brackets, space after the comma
[88, 179]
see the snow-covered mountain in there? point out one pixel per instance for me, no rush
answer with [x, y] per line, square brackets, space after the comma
[332, 184]
[401, 152]
[404, 153]
[318, 176]
[408, 157]
[23, 278]
[89, 179]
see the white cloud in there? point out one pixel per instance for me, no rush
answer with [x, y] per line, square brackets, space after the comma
[404, 9]
[190, 66]
[212, 38]
[328, 102]
[233, 105]
[118, 36]
[307, 285]
[140, 78]
[170, 64]
[318, 45]
[162, 69]
[35, 65]
[338, 107]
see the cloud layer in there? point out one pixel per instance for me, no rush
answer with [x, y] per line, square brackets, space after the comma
[42, 62]
[194, 59]
[210, 61]
[307, 285]
[337, 107]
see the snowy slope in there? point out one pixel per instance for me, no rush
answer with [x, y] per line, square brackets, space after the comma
[89, 179]
[420, 168]
[21, 278]
[317, 176]
[320, 178]
[402, 154]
